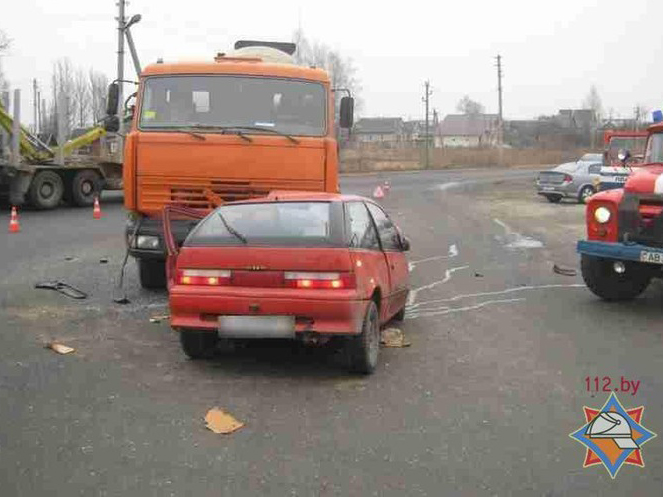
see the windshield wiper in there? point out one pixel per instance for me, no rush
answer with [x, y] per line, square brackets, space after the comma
[269, 130]
[222, 129]
[232, 230]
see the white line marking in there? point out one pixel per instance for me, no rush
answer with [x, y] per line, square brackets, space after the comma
[414, 307]
[447, 276]
[452, 252]
[446, 310]
[517, 240]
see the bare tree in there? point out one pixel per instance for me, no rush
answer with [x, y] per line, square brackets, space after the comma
[98, 86]
[470, 107]
[5, 43]
[64, 103]
[640, 116]
[593, 102]
[81, 98]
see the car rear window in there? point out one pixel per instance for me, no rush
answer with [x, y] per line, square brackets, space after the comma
[269, 223]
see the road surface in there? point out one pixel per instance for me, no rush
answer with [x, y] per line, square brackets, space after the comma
[481, 403]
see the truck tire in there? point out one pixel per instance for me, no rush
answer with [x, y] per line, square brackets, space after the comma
[199, 344]
[604, 282]
[46, 190]
[152, 274]
[85, 186]
[364, 349]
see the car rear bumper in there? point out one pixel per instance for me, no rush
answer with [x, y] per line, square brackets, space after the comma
[564, 191]
[324, 313]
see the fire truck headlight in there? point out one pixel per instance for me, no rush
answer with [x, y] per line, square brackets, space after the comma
[602, 215]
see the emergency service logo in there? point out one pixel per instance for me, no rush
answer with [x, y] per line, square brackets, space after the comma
[613, 436]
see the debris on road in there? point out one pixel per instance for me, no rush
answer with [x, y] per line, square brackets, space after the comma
[70, 258]
[63, 288]
[59, 348]
[220, 421]
[158, 319]
[564, 271]
[103, 260]
[478, 275]
[393, 337]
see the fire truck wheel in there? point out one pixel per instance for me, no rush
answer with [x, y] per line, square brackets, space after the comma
[198, 344]
[85, 186]
[46, 190]
[605, 282]
[584, 194]
[152, 274]
[554, 199]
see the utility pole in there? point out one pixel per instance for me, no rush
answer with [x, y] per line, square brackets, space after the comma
[120, 61]
[426, 100]
[500, 118]
[35, 107]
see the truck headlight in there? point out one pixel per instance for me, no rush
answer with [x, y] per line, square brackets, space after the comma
[147, 242]
[602, 215]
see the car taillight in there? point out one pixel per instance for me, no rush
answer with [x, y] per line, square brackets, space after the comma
[568, 178]
[204, 277]
[320, 280]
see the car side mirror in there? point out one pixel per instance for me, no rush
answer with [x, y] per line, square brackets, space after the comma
[405, 243]
[347, 112]
[113, 99]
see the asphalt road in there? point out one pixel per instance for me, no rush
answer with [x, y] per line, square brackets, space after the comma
[481, 403]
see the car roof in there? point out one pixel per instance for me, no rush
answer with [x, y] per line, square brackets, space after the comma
[299, 196]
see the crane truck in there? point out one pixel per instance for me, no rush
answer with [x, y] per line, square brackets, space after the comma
[234, 127]
[624, 246]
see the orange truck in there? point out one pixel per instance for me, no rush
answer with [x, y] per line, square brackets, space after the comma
[235, 127]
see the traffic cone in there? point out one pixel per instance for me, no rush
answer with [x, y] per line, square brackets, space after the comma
[14, 227]
[96, 213]
[378, 192]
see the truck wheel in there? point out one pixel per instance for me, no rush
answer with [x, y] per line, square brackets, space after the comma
[602, 279]
[152, 274]
[554, 199]
[364, 349]
[585, 193]
[46, 190]
[198, 344]
[85, 186]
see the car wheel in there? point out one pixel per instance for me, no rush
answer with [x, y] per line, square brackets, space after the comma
[585, 193]
[152, 274]
[199, 344]
[554, 199]
[46, 190]
[604, 282]
[85, 187]
[364, 349]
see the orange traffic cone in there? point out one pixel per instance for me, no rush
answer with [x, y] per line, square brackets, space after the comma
[378, 192]
[14, 227]
[96, 213]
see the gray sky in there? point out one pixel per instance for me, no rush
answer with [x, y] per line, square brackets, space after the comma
[553, 51]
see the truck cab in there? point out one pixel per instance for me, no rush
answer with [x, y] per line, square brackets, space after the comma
[231, 128]
[624, 246]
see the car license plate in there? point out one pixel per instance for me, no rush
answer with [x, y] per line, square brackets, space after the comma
[548, 188]
[651, 257]
[257, 326]
[620, 179]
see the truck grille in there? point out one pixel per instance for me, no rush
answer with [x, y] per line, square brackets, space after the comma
[156, 192]
[641, 219]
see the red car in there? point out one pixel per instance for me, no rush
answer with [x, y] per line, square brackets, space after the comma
[290, 265]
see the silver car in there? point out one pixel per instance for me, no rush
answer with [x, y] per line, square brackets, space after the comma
[574, 180]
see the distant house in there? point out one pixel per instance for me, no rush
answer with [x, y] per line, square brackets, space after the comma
[467, 130]
[379, 130]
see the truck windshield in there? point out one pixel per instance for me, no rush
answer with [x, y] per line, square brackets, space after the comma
[287, 106]
[654, 152]
[634, 145]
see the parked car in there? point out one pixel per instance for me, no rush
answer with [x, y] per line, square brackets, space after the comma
[575, 180]
[292, 265]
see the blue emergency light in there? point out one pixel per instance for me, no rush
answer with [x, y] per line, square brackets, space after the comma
[657, 115]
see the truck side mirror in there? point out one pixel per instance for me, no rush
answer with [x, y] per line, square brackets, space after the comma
[347, 112]
[112, 124]
[624, 155]
[113, 99]
[405, 243]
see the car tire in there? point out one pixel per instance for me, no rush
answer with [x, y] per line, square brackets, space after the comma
[364, 349]
[85, 187]
[198, 344]
[46, 190]
[554, 199]
[152, 274]
[585, 193]
[604, 282]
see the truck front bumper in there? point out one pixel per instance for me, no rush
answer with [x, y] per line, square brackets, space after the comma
[618, 251]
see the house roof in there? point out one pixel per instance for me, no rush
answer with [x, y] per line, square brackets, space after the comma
[467, 124]
[379, 125]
